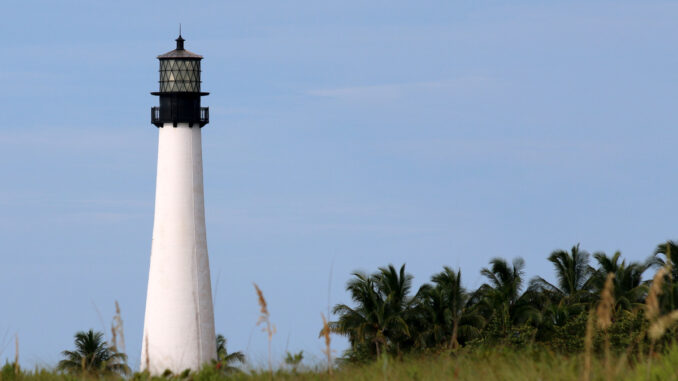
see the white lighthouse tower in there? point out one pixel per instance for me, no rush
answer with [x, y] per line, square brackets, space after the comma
[179, 322]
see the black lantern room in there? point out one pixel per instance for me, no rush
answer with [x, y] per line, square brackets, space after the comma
[180, 89]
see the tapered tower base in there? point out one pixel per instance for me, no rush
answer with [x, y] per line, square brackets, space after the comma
[179, 323]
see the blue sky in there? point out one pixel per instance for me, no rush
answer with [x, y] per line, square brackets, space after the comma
[343, 136]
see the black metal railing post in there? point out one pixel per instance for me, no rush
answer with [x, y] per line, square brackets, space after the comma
[155, 114]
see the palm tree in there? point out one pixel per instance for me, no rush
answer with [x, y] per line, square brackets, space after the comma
[502, 298]
[573, 274]
[562, 301]
[629, 288]
[444, 311]
[504, 280]
[225, 359]
[93, 355]
[359, 324]
[382, 308]
[667, 254]
[394, 286]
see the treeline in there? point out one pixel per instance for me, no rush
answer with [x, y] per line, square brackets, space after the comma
[634, 315]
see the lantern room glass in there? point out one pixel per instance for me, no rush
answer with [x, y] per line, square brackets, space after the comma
[180, 75]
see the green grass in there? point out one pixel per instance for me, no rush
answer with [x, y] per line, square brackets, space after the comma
[494, 364]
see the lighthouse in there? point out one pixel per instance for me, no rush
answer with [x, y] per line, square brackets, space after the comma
[179, 322]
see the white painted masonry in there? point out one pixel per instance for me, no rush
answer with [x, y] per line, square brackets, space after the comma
[179, 323]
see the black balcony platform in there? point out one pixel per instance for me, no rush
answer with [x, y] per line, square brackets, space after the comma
[159, 120]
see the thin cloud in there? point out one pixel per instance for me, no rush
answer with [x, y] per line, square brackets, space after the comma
[523, 150]
[398, 90]
[70, 139]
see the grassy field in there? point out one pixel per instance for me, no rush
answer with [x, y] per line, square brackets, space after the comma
[495, 364]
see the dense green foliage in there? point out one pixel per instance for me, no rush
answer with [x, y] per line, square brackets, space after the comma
[387, 316]
[601, 318]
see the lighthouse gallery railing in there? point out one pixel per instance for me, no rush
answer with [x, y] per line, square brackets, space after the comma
[204, 115]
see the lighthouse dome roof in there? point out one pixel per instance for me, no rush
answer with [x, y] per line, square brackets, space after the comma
[180, 52]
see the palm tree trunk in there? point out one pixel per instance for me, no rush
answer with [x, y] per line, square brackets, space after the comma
[672, 305]
[454, 344]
